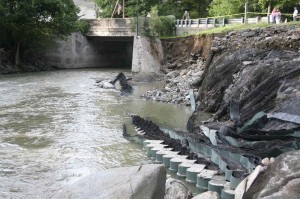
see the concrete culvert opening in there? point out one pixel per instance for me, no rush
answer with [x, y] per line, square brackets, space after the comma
[111, 52]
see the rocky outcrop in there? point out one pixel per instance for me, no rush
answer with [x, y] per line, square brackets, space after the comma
[280, 180]
[251, 69]
[144, 182]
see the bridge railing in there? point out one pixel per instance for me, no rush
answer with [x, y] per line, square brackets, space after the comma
[212, 22]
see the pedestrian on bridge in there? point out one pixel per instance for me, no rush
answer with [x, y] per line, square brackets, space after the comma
[295, 14]
[186, 15]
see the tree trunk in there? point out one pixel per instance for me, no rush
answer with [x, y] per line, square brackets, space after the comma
[17, 54]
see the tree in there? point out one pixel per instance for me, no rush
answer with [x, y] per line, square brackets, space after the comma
[226, 7]
[196, 9]
[230, 7]
[284, 5]
[132, 7]
[28, 24]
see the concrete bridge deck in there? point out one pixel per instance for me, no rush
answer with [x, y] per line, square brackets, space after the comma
[110, 27]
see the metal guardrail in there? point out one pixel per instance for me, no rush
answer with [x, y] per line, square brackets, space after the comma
[205, 22]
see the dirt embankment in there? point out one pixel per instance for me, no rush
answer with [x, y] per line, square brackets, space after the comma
[184, 63]
[180, 49]
[235, 66]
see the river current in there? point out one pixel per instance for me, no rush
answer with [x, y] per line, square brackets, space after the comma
[58, 127]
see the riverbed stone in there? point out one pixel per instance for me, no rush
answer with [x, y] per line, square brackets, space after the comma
[176, 189]
[143, 182]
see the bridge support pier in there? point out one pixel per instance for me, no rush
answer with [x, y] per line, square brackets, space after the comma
[147, 55]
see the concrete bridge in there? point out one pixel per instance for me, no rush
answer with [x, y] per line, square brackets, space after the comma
[110, 43]
[110, 27]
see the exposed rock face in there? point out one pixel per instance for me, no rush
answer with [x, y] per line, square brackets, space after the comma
[280, 180]
[144, 182]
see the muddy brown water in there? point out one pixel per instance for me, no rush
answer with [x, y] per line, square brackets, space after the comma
[57, 127]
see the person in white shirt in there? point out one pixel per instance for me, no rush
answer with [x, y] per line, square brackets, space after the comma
[295, 14]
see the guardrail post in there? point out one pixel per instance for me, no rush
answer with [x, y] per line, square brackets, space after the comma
[181, 22]
[214, 22]
[223, 22]
[257, 20]
[177, 23]
[198, 21]
[206, 23]
[242, 20]
[190, 21]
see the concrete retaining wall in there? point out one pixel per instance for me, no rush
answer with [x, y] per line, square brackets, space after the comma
[79, 51]
[147, 55]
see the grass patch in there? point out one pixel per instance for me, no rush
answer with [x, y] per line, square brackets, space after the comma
[230, 28]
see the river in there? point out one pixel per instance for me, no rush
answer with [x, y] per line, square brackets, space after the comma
[57, 127]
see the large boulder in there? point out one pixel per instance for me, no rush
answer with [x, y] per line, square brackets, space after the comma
[175, 189]
[143, 182]
[280, 180]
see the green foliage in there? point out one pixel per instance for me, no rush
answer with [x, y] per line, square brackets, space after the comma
[133, 7]
[82, 26]
[225, 7]
[154, 26]
[29, 24]
[165, 7]
[106, 6]
[283, 4]
[229, 7]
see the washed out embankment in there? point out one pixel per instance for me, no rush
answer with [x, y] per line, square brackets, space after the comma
[248, 80]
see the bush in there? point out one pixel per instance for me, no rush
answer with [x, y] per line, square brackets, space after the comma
[83, 26]
[154, 26]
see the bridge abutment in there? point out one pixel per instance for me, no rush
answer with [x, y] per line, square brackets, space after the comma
[110, 43]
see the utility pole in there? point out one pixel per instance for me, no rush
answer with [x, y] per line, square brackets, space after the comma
[137, 18]
[123, 9]
[114, 9]
[246, 11]
[269, 10]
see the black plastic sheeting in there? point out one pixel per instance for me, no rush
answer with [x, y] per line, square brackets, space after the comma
[125, 87]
